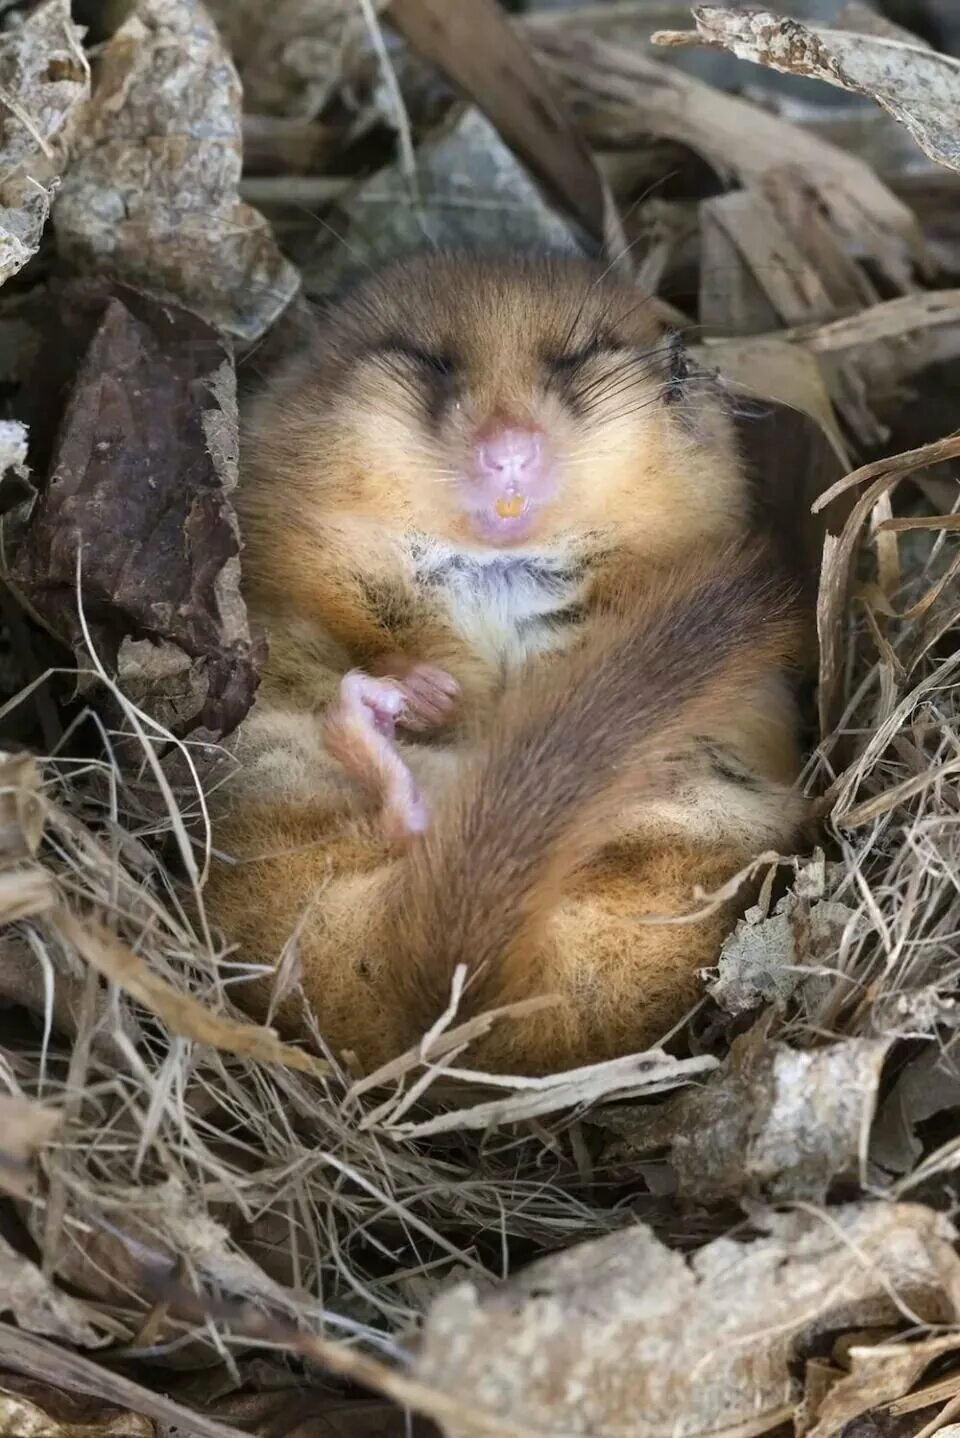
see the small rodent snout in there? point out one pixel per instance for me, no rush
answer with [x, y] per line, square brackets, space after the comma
[509, 455]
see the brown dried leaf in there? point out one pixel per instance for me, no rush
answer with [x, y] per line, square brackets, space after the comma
[22, 808]
[44, 81]
[25, 1127]
[770, 257]
[775, 1122]
[490, 60]
[919, 86]
[878, 1373]
[866, 357]
[790, 443]
[143, 461]
[311, 1413]
[882, 476]
[625, 1337]
[151, 198]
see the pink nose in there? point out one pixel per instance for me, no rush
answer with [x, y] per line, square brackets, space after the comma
[509, 456]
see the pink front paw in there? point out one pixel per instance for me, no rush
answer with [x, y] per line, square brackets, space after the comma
[430, 694]
[359, 731]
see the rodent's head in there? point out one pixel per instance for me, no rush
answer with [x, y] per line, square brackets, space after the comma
[501, 403]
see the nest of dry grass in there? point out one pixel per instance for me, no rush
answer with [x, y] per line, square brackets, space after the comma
[207, 1230]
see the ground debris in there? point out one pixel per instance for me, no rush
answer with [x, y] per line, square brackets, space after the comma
[40, 1307]
[30, 1409]
[135, 505]
[151, 199]
[295, 55]
[25, 1127]
[622, 1336]
[45, 80]
[491, 62]
[927, 1085]
[634, 95]
[918, 85]
[470, 189]
[767, 958]
[775, 1122]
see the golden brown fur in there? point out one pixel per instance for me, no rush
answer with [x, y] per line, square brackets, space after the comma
[625, 730]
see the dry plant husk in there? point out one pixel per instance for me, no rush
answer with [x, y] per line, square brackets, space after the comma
[750, 1232]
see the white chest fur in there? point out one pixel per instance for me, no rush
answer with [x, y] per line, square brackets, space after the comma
[506, 607]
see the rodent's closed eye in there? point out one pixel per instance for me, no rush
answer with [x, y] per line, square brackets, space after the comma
[599, 347]
[439, 362]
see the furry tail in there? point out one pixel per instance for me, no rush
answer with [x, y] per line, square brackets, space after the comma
[591, 731]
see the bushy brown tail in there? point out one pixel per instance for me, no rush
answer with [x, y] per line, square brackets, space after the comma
[593, 731]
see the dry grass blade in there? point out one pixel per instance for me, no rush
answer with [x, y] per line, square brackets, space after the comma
[180, 1011]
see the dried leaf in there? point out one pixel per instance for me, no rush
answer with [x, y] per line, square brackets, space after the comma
[294, 55]
[865, 358]
[625, 1337]
[927, 1085]
[919, 86]
[37, 1305]
[142, 465]
[490, 60]
[770, 257]
[878, 1374]
[789, 441]
[44, 81]
[882, 476]
[25, 1127]
[22, 809]
[151, 199]
[775, 1122]
[738, 139]
[309, 1413]
[471, 190]
[15, 486]
[767, 958]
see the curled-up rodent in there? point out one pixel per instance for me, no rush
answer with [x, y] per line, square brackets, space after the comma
[529, 676]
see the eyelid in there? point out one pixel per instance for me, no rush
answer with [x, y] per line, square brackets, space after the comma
[597, 347]
[435, 361]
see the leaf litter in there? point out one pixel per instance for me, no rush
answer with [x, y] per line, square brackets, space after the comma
[750, 1233]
